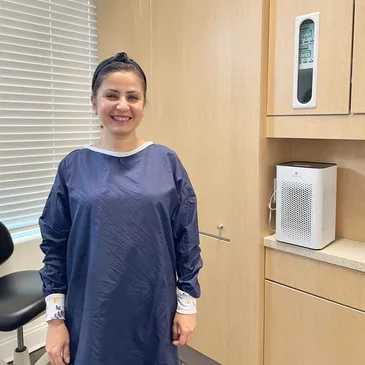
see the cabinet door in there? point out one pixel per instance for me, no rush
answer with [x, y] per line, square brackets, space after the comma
[191, 81]
[358, 75]
[334, 55]
[302, 329]
[213, 333]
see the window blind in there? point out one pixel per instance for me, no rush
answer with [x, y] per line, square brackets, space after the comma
[48, 52]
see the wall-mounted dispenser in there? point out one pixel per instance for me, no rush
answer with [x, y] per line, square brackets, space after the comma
[306, 61]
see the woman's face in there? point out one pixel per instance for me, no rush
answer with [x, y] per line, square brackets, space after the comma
[119, 103]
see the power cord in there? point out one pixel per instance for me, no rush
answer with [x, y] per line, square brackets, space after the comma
[271, 209]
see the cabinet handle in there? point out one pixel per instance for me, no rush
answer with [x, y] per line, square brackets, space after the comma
[220, 226]
[306, 61]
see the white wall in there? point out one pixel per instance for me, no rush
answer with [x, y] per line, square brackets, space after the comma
[26, 256]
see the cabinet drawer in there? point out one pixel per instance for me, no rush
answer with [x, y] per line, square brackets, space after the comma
[302, 329]
[328, 281]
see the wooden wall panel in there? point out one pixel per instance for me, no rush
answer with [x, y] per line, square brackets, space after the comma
[192, 68]
[124, 26]
[350, 157]
[358, 79]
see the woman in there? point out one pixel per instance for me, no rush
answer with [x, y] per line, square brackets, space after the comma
[118, 226]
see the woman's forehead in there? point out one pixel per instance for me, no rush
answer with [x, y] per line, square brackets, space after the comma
[122, 79]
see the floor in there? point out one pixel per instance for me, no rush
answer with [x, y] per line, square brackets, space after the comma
[187, 356]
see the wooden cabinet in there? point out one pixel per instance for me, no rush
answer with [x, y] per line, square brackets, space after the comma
[314, 311]
[334, 55]
[339, 112]
[303, 329]
[212, 336]
[358, 79]
[192, 97]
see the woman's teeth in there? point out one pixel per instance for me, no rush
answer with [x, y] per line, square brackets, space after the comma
[121, 119]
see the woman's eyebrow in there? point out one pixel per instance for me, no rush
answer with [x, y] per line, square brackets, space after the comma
[112, 90]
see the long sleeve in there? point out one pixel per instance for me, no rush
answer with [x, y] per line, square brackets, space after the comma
[186, 236]
[55, 224]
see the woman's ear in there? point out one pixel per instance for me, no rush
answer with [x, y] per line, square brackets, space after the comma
[93, 102]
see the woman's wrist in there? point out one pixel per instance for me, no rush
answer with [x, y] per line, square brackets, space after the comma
[186, 304]
[55, 307]
[55, 322]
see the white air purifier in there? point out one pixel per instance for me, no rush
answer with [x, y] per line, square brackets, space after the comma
[306, 203]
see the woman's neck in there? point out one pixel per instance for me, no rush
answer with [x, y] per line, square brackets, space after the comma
[120, 143]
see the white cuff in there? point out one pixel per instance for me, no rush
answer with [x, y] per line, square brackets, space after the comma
[186, 304]
[55, 307]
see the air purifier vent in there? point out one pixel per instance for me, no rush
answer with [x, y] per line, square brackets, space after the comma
[296, 211]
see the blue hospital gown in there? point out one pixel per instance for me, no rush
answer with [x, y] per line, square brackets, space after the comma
[119, 235]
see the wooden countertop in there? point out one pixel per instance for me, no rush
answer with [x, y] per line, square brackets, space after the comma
[341, 252]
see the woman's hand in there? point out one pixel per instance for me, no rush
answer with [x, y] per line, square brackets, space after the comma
[58, 342]
[183, 328]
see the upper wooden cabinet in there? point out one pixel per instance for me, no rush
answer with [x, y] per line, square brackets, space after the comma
[334, 43]
[358, 76]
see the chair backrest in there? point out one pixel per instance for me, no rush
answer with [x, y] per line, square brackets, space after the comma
[6, 244]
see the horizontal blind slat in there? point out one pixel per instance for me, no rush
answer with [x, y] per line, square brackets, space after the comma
[6, 190]
[20, 202]
[42, 95]
[42, 72]
[56, 162]
[48, 34]
[37, 148]
[46, 88]
[25, 194]
[50, 50]
[46, 42]
[46, 125]
[51, 10]
[43, 103]
[46, 134]
[31, 207]
[12, 180]
[44, 80]
[92, 65]
[91, 8]
[27, 171]
[17, 21]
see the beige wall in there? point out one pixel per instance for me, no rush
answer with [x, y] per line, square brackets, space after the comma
[27, 256]
[350, 158]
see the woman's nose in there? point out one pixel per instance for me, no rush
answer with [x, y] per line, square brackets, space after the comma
[122, 104]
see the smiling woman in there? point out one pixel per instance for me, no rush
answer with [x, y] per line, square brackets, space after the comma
[119, 90]
[119, 226]
[119, 103]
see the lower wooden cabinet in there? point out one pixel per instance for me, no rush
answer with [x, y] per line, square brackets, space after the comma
[213, 332]
[303, 329]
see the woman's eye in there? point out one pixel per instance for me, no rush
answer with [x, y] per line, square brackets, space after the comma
[111, 96]
[133, 97]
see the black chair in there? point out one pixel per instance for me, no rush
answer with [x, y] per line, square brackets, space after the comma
[21, 300]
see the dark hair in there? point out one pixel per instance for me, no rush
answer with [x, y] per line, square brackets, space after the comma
[118, 63]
